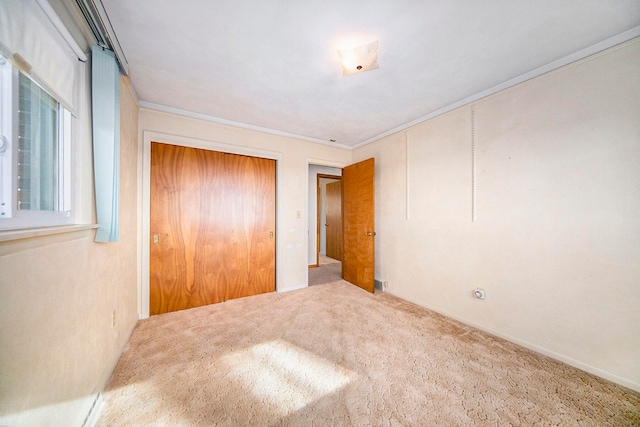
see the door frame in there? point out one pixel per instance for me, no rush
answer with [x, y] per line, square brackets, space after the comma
[145, 204]
[319, 208]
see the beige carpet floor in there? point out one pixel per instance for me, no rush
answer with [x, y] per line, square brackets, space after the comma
[329, 270]
[323, 260]
[332, 355]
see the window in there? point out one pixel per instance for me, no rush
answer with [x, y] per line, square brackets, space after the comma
[34, 151]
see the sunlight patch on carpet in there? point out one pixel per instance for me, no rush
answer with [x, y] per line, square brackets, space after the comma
[284, 375]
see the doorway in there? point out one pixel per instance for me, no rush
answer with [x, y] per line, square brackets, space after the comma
[329, 218]
[316, 243]
[357, 257]
[328, 229]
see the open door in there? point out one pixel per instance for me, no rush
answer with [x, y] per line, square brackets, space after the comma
[358, 208]
[333, 222]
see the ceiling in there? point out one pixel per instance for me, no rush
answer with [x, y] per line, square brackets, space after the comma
[273, 65]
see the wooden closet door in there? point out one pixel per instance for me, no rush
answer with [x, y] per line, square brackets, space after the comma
[212, 227]
[249, 205]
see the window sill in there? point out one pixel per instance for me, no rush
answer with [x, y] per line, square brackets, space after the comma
[27, 233]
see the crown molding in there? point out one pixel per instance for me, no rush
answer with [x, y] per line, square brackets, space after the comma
[580, 55]
[199, 116]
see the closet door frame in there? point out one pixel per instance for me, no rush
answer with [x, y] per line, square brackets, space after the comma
[144, 208]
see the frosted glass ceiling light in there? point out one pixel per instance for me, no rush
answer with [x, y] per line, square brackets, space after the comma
[359, 59]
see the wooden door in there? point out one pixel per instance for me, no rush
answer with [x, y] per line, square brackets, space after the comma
[358, 208]
[212, 227]
[333, 199]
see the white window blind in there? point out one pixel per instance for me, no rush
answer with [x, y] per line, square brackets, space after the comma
[40, 84]
[32, 38]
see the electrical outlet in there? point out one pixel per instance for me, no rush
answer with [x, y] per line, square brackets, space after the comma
[479, 293]
[385, 284]
[113, 319]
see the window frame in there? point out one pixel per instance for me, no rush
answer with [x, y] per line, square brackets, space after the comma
[12, 218]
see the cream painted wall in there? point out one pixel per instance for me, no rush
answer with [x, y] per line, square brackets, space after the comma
[556, 237]
[294, 157]
[57, 297]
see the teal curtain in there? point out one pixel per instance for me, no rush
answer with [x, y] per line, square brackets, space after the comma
[105, 103]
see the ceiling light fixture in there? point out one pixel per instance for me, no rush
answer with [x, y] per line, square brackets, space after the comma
[359, 59]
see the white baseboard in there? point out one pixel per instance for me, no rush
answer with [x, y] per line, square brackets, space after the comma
[293, 288]
[94, 412]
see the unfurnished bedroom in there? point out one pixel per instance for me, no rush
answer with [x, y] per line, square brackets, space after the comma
[250, 213]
